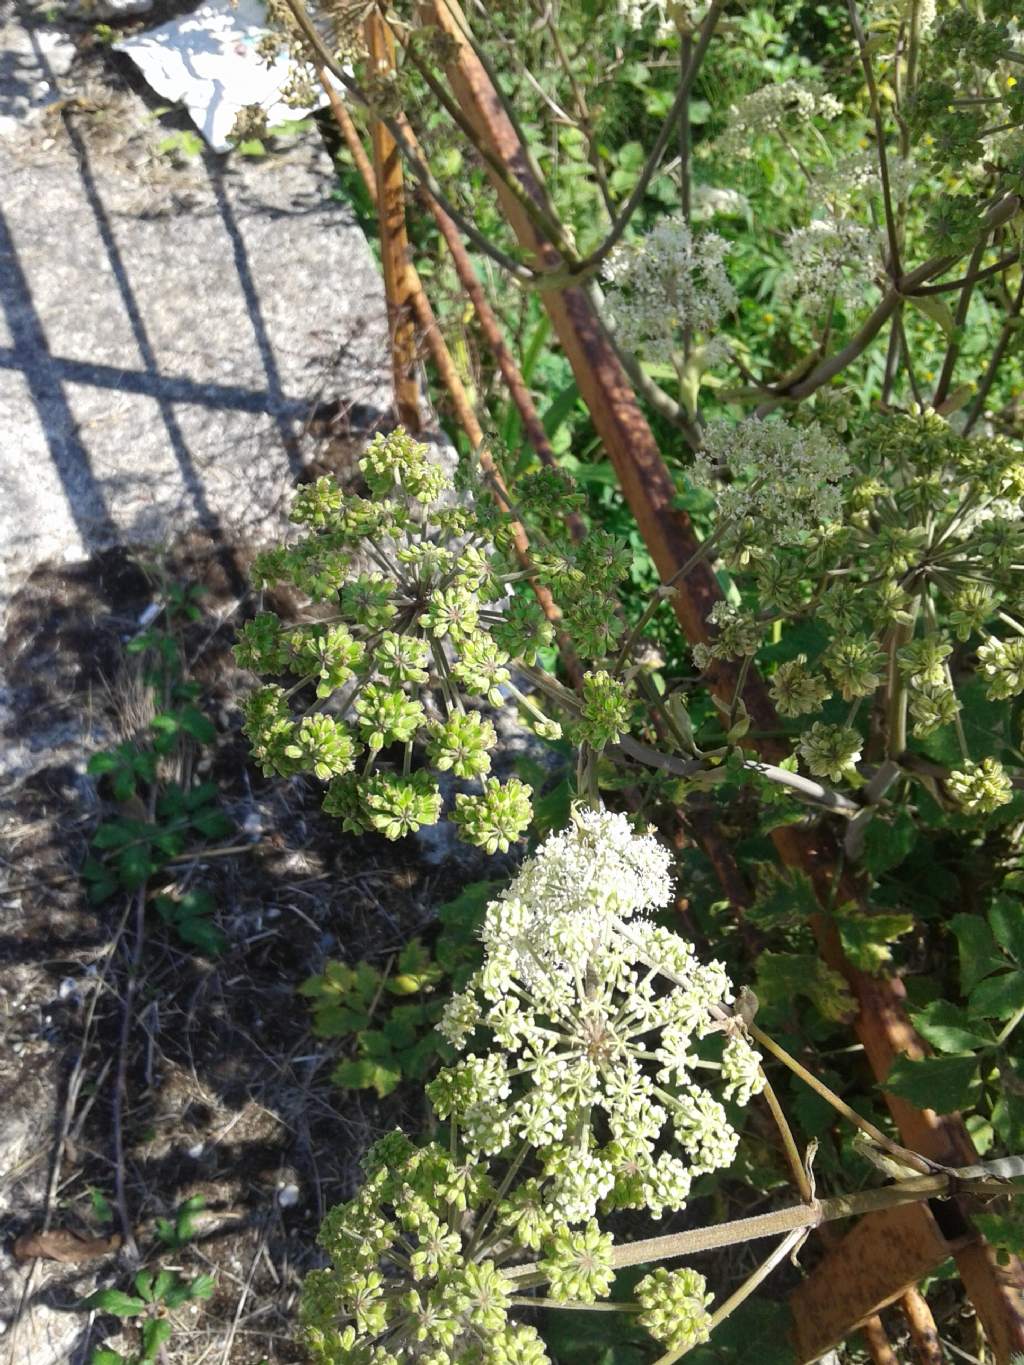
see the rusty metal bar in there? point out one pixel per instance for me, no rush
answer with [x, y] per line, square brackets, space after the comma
[877, 1341]
[876, 1263]
[450, 378]
[394, 241]
[882, 1023]
[923, 1332]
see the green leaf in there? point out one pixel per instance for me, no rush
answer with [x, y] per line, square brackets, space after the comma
[1006, 918]
[135, 866]
[103, 1356]
[551, 811]
[202, 795]
[164, 1282]
[214, 824]
[155, 1333]
[201, 934]
[105, 762]
[936, 309]
[165, 1231]
[939, 1083]
[997, 997]
[979, 955]
[100, 1207]
[416, 971]
[112, 834]
[115, 1301]
[194, 723]
[1003, 1231]
[785, 897]
[948, 1028]
[888, 842]
[143, 1283]
[363, 1074]
[338, 1021]
[783, 976]
[560, 408]
[866, 938]
[202, 1287]
[100, 880]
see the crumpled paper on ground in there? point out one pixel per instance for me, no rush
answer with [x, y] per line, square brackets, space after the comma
[208, 61]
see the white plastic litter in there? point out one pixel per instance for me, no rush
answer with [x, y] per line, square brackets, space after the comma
[208, 61]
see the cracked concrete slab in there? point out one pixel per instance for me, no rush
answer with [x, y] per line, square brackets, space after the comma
[166, 329]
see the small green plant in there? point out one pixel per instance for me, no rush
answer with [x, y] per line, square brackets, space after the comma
[157, 1294]
[179, 1231]
[180, 146]
[164, 818]
[395, 1037]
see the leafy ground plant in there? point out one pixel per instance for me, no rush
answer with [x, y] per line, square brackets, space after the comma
[150, 1307]
[165, 816]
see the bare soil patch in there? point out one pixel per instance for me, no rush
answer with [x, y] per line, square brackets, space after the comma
[215, 1081]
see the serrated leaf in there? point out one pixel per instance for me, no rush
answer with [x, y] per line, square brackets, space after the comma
[202, 934]
[155, 1333]
[997, 997]
[866, 938]
[1006, 919]
[134, 866]
[404, 984]
[115, 1301]
[888, 842]
[979, 955]
[939, 1083]
[112, 834]
[362, 1074]
[1002, 1230]
[784, 897]
[948, 1028]
[104, 762]
[163, 1283]
[338, 1021]
[165, 1231]
[202, 1286]
[214, 824]
[782, 977]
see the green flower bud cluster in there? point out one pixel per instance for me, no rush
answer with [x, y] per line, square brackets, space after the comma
[921, 562]
[830, 750]
[675, 1307]
[404, 1283]
[796, 690]
[607, 708]
[426, 613]
[980, 788]
[737, 634]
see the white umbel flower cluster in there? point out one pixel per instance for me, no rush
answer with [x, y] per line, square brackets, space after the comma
[787, 478]
[774, 109]
[594, 1021]
[855, 176]
[715, 201]
[671, 15]
[832, 261]
[669, 281]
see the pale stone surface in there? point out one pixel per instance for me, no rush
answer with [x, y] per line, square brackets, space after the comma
[165, 331]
